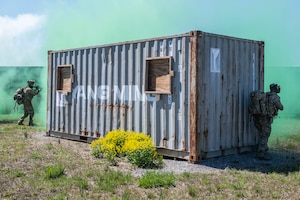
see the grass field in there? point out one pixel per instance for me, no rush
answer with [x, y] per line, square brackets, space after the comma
[33, 166]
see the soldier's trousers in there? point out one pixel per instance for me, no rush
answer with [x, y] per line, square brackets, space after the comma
[264, 134]
[28, 110]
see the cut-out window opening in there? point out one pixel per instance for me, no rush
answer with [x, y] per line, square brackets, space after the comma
[64, 78]
[158, 75]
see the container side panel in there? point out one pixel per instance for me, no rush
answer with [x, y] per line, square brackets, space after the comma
[229, 70]
[108, 92]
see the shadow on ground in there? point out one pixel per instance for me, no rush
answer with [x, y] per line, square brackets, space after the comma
[8, 121]
[281, 162]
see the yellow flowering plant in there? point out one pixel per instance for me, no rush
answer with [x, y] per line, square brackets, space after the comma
[137, 147]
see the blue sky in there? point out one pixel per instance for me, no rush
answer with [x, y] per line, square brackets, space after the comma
[29, 28]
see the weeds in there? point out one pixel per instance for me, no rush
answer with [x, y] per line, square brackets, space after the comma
[36, 155]
[54, 171]
[192, 191]
[154, 179]
[82, 184]
[109, 180]
[17, 173]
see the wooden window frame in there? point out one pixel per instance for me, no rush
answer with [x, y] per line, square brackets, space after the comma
[64, 78]
[158, 75]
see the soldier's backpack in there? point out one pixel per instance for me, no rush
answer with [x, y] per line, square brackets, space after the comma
[19, 96]
[258, 103]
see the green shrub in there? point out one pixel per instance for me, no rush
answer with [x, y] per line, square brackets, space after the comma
[144, 158]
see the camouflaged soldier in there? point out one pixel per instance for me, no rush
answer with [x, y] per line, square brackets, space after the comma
[263, 122]
[29, 93]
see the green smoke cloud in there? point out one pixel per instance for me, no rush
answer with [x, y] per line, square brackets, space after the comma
[83, 23]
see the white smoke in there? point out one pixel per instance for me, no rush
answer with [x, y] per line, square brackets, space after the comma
[21, 40]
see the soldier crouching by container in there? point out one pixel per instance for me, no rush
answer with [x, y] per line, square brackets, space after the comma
[263, 122]
[29, 93]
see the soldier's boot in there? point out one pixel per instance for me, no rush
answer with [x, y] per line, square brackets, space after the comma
[262, 155]
[30, 120]
[267, 149]
[30, 123]
[20, 122]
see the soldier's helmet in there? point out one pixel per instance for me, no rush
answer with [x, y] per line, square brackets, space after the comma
[274, 87]
[30, 83]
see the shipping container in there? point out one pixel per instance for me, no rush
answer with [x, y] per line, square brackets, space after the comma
[189, 92]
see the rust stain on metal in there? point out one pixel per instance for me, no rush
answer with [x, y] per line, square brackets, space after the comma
[164, 141]
[115, 106]
[194, 146]
[183, 146]
[83, 132]
[97, 134]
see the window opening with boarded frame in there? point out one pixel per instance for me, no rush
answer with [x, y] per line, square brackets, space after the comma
[158, 75]
[64, 78]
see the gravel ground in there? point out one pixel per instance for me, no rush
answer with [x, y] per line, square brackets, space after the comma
[281, 162]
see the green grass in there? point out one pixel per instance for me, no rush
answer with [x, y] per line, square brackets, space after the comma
[109, 180]
[192, 191]
[15, 173]
[154, 179]
[28, 162]
[82, 183]
[54, 171]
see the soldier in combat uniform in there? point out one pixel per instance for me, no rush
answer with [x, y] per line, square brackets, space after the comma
[263, 122]
[29, 93]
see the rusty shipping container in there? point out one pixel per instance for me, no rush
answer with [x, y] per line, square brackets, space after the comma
[189, 92]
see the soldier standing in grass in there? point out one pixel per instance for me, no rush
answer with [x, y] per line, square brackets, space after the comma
[263, 122]
[29, 93]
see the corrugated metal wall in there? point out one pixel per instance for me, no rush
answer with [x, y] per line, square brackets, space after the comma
[228, 70]
[205, 114]
[108, 92]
